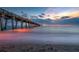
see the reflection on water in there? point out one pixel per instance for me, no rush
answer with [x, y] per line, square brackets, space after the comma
[51, 34]
[21, 30]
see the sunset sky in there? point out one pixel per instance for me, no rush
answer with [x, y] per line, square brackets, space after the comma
[53, 13]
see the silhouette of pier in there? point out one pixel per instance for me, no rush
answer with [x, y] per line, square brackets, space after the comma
[14, 19]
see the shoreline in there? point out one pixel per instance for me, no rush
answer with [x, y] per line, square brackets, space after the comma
[38, 48]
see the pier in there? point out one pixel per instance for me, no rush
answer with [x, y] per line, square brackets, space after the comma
[5, 16]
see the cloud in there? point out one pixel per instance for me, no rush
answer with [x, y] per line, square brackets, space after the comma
[57, 13]
[65, 17]
[41, 16]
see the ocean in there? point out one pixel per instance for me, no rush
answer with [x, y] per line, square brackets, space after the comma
[42, 35]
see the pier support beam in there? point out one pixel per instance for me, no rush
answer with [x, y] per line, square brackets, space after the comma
[1, 24]
[5, 24]
[27, 25]
[21, 24]
[16, 23]
[12, 21]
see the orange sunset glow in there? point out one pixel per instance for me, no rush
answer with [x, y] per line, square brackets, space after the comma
[59, 15]
[22, 30]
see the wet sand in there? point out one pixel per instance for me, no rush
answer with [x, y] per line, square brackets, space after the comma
[38, 48]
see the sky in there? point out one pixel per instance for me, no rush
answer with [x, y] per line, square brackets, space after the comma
[46, 12]
[31, 11]
[52, 13]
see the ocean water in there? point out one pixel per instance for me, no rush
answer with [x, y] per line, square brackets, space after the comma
[42, 35]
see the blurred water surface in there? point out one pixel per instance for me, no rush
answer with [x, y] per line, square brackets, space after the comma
[42, 35]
